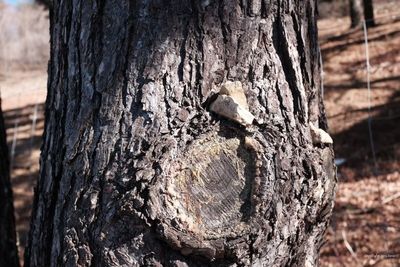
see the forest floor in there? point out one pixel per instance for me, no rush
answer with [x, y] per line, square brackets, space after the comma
[365, 228]
[23, 94]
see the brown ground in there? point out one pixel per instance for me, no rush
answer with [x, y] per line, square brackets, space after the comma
[22, 93]
[366, 220]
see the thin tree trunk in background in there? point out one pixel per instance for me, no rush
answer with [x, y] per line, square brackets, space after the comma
[8, 245]
[136, 170]
[46, 3]
[369, 13]
[356, 12]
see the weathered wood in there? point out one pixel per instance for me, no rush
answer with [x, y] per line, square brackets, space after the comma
[8, 245]
[135, 168]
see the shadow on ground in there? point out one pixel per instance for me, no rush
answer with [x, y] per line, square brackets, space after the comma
[24, 135]
[358, 144]
[364, 229]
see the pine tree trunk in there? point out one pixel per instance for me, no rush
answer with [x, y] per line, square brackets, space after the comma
[356, 12]
[135, 168]
[369, 13]
[8, 245]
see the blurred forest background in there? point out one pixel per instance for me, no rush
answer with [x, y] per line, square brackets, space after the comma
[365, 124]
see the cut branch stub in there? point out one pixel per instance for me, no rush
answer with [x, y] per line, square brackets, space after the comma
[208, 196]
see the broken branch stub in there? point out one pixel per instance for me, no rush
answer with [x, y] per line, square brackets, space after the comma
[227, 107]
[319, 136]
[231, 103]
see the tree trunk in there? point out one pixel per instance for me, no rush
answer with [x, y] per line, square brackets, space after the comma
[8, 245]
[46, 3]
[135, 168]
[369, 13]
[356, 12]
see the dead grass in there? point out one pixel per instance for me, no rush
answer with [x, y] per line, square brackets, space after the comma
[24, 37]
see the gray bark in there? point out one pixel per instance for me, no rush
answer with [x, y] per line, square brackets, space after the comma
[136, 170]
[8, 245]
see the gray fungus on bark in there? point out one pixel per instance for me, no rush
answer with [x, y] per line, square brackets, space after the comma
[136, 170]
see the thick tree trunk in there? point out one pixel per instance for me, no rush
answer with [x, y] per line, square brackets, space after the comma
[8, 245]
[356, 12]
[369, 13]
[135, 168]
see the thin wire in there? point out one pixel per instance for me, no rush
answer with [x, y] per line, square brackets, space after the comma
[14, 142]
[33, 129]
[371, 137]
[385, 222]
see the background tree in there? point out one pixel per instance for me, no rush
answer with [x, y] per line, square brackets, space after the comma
[360, 9]
[46, 3]
[369, 13]
[136, 170]
[356, 12]
[8, 247]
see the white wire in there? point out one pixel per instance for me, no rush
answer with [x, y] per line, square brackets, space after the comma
[14, 142]
[370, 129]
[371, 137]
[33, 128]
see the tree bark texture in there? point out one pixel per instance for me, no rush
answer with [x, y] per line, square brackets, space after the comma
[369, 13]
[136, 170]
[356, 12]
[8, 245]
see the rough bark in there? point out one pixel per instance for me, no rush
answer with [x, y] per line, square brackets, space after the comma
[8, 245]
[369, 13]
[356, 12]
[136, 170]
